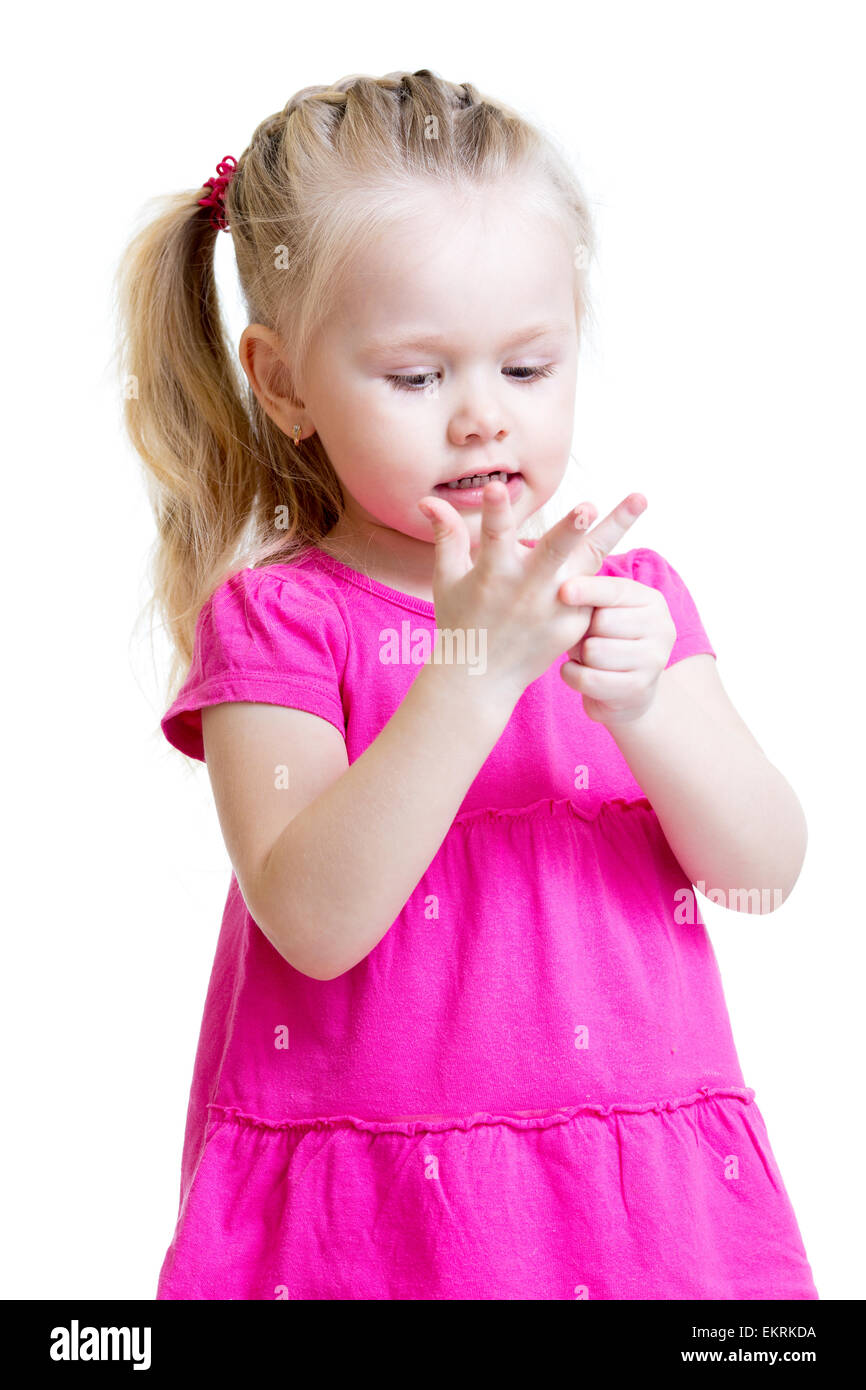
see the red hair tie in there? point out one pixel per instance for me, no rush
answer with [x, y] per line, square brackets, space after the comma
[218, 186]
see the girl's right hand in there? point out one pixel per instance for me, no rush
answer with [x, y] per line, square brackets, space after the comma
[511, 592]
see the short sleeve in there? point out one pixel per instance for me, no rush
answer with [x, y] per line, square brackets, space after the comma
[650, 568]
[265, 637]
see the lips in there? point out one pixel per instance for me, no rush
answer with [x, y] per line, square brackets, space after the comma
[470, 494]
[480, 476]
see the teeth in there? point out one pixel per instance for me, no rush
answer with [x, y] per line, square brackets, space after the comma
[479, 479]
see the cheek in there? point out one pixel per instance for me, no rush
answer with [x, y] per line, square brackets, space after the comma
[391, 444]
[375, 468]
[562, 409]
[363, 437]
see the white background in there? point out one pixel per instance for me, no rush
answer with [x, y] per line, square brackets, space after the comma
[721, 148]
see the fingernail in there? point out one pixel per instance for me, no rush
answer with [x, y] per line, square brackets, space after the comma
[580, 518]
[636, 503]
[427, 510]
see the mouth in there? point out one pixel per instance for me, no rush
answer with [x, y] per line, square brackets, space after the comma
[469, 489]
[478, 479]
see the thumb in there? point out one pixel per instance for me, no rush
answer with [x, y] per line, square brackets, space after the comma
[451, 558]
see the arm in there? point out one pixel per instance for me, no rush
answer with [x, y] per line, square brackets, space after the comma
[325, 886]
[730, 817]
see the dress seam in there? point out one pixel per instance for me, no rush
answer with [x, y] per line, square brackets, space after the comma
[548, 806]
[563, 1115]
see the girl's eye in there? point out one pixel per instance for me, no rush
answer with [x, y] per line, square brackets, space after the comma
[534, 372]
[409, 383]
[422, 379]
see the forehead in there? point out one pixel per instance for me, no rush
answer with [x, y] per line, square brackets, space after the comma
[490, 257]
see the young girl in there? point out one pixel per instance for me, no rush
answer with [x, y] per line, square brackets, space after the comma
[465, 1035]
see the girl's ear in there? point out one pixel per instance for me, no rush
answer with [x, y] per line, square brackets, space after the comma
[263, 359]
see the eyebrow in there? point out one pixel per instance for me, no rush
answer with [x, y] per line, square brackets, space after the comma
[433, 340]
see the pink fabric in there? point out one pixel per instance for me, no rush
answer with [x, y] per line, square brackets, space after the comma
[539, 966]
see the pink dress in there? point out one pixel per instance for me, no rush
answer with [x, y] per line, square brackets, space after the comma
[529, 1088]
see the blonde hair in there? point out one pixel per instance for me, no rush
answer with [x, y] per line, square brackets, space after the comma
[316, 183]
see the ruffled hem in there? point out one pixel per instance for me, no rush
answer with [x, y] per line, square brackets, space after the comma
[551, 807]
[482, 1117]
[666, 1199]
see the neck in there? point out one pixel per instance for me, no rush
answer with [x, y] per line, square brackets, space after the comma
[392, 558]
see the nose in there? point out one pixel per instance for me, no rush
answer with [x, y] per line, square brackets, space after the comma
[478, 414]
[481, 424]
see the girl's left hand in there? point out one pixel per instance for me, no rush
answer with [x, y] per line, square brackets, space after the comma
[616, 664]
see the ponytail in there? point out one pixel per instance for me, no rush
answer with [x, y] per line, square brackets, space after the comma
[184, 411]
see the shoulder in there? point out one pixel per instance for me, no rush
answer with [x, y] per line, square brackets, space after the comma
[277, 582]
[649, 567]
[645, 565]
[273, 599]
[271, 635]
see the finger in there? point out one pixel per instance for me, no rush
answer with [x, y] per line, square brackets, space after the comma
[616, 622]
[600, 541]
[497, 533]
[595, 546]
[611, 653]
[451, 559]
[559, 545]
[603, 591]
[584, 516]
[615, 688]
